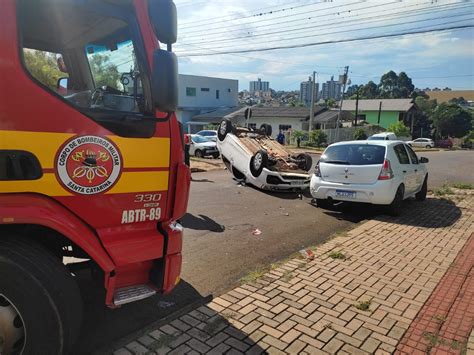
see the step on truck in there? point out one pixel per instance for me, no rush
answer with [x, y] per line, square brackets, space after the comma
[92, 171]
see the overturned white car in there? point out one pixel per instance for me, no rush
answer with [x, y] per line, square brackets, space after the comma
[256, 158]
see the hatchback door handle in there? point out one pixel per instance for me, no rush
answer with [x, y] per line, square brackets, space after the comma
[416, 170]
[404, 171]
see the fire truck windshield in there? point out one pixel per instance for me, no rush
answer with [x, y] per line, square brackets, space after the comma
[97, 48]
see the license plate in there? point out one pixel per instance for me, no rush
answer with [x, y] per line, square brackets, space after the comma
[297, 182]
[345, 194]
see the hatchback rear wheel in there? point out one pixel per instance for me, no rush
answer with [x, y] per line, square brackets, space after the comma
[421, 195]
[395, 208]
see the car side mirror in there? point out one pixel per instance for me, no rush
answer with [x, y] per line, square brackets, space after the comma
[163, 17]
[424, 160]
[165, 81]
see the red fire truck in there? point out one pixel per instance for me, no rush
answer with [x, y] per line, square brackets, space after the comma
[92, 171]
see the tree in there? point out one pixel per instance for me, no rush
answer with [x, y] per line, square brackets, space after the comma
[388, 86]
[426, 106]
[458, 101]
[360, 135]
[43, 67]
[295, 134]
[405, 85]
[104, 72]
[369, 91]
[318, 137]
[452, 120]
[352, 90]
[393, 86]
[422, 126]
[399, 129]
[331, 102]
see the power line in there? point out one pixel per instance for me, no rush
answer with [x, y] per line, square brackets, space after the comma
[351, 30]
[393, 16]
[312, 44]
[271, 19]
[196, 23]
[270, 60]
[256, 15]
[209, 33]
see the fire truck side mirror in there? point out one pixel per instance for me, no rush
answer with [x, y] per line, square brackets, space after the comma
[164, 20]
[165, 81]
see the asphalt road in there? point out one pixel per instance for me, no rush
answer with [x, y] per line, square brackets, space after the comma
[219, 247]
[449, 166]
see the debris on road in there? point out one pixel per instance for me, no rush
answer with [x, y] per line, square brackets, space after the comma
[307, 254]
[256, 231]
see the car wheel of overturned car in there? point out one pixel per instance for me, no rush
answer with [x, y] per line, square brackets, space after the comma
[266, 130]
[224, 127]
[421, 195]
[395, 208]
[198, 154]
[305, 162]
[258, 162]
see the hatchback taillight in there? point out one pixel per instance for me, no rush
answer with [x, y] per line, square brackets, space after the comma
[317, 171]
[386, 173]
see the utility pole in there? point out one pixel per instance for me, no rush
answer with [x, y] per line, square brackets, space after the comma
[346, 70]
[311, 108]
[380, 111]
[357, 107]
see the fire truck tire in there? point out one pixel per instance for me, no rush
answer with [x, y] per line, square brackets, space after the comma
[43, 296]
[306, 162]
[258, 162]
[266, 129]
[224, 127]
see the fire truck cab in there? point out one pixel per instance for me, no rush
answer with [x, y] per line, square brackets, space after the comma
[92, 171]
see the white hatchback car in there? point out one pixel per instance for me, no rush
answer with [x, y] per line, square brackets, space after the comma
[201, 147]
[378, 172]
[253, 156]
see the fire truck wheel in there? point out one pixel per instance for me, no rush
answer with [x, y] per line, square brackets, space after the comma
[224, 127]
[258, 162]
[306, 162]
[40, 303]
[266, 130]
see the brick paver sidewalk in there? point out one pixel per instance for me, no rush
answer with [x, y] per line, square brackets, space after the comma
[359, 295]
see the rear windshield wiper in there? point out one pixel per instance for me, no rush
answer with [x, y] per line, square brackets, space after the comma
[342, 162]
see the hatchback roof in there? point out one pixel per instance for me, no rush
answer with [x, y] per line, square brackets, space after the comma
[384, 143]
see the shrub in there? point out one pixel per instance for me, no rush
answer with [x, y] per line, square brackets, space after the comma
[318, 137]
[359, 134]
[399, 129]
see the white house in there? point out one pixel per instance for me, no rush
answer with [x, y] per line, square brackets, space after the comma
[280, 118]
[201, 94]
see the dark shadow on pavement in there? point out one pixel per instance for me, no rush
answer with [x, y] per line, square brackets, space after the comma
[431, 213]
[102, 326]
[284, 195]
[201, 180]
[201, 222]
[201, 329]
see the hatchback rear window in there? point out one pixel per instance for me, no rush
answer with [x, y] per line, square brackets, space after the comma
[354, 154]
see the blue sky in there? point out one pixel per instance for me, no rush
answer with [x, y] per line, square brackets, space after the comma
[432, 59]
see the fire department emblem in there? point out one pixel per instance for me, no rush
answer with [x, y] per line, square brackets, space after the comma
[88, 165]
